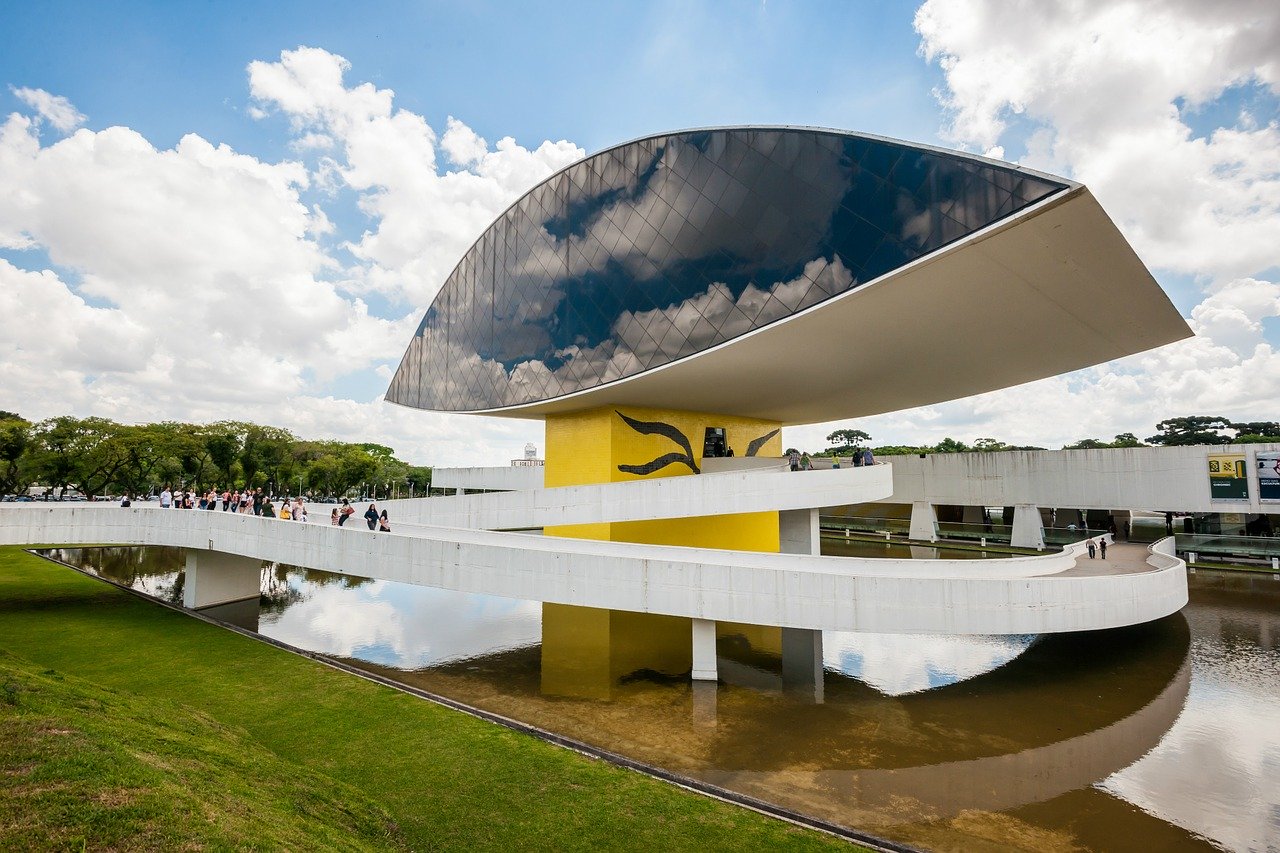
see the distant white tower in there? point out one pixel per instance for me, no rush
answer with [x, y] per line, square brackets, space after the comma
[530, 456]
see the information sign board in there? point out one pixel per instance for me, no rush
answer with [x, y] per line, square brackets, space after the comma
[1227, 478]
[1269, 477]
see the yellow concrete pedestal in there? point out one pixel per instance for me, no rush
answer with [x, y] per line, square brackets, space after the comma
[610, 445]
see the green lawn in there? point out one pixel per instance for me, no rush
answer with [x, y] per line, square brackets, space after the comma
[124, 725]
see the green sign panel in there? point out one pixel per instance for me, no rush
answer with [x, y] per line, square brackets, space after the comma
[1228, 480]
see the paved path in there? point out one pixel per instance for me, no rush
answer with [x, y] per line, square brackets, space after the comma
[1125, 558]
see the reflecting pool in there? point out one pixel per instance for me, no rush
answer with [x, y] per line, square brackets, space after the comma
[1158, 737]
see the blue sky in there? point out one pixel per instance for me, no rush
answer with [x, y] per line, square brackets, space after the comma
[1168, 113]
[596, 73]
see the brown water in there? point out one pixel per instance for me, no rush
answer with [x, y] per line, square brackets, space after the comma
[1159, 737]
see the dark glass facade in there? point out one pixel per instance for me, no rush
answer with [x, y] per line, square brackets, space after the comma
[658, 249]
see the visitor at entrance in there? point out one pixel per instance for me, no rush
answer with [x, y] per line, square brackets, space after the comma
[1102, 546]
[1092, 549]
[794, 458]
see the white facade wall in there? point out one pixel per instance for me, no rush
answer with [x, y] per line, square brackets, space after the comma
[1149, 478]
[512, 478]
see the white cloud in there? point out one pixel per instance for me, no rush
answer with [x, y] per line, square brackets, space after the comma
[189, 282]
[1112, 90]
[424, 219]
[1118, 95]
[55, 109]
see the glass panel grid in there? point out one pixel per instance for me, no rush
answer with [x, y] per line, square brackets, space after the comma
[656, 250]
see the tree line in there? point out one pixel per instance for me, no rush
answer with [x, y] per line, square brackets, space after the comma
[1174, 432]
[102, 457]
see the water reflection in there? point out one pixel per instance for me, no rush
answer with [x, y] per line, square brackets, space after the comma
[1165, 736]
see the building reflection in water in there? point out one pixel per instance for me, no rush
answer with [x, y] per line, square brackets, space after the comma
[1168, 733]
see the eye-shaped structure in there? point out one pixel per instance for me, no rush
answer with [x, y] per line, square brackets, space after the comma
[792, 275]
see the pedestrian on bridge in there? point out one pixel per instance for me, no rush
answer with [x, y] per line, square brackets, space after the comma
[1092, 549]
[1102, 544]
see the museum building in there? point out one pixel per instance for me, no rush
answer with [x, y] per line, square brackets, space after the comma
[683, 296]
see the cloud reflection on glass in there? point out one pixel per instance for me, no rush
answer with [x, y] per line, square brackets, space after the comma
[661, 248]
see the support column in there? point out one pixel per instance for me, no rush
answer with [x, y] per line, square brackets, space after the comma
[704, 650]
[802, 662]
[1027, 529]
[798, 532]
[213, 577]
[924, 522]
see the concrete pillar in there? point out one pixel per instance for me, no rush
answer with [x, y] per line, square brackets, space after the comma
[924, 522]
[798, 532]
[213, 577]
[802, 662]
[1027, 532]
[704, 650]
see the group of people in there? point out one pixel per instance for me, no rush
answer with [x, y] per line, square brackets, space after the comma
[245, 502]
[254, 502]
[801, 461]
[375, 520]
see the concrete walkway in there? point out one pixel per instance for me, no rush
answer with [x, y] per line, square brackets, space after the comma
[1125, 558]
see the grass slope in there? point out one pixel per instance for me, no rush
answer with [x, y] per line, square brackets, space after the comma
[442, 778]
[84, 766]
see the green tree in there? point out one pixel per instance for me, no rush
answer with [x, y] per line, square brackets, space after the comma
[223, 447]
[146, 448]
[1087, 444]
[266, 455]
[950, 445]
[1264, 430]
[847, 440]
[1194, 429]
[419, 477]
[84, 452]
[1127, 439]
[15, 436]
[990, 445]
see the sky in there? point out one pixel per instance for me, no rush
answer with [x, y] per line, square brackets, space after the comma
[218, 211]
